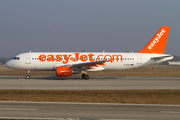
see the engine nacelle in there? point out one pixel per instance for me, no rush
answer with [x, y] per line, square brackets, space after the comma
[65, 71]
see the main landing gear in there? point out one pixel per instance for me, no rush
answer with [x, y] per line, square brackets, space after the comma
[85, 76]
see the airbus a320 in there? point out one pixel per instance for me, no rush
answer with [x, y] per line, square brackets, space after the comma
[68, 63]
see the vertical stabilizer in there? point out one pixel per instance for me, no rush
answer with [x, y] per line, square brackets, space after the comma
[158, 43]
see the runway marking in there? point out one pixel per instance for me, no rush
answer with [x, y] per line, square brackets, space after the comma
[16, 109]
[29, 118]
[59, 118]
[176, 112]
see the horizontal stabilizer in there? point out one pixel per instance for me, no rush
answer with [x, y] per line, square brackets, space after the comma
[162, 57]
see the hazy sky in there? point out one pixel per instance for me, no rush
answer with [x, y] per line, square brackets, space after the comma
[91, 25]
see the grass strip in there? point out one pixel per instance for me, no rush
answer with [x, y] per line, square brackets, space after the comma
[171, 97]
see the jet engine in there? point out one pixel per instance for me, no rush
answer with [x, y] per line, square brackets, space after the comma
[65, 71]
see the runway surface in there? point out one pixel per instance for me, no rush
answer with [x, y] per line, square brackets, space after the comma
[94, 83]
[17, 110]
[86, 111]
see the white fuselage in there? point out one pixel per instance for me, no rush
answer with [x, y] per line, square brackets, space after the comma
[48, 61]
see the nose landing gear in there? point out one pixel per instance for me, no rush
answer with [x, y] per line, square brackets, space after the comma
[28, 75]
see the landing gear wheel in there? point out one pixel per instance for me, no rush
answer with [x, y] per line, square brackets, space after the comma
[85, 76]
[27, 76]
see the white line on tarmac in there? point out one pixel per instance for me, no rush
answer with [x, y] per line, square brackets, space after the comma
[16, 109]
[24, 118]
[29, 118]
[176, 112]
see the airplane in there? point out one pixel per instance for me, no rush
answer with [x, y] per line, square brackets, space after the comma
[68, 63]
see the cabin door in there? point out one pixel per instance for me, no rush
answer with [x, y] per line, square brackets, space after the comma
[27, 59]
[139, 59]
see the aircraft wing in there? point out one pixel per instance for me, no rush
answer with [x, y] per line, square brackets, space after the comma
[88, 66]
[89, 63]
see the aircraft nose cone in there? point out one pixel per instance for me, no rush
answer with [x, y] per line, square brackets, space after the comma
[7, 64]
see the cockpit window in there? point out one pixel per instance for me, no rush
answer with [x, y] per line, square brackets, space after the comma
[15, 58]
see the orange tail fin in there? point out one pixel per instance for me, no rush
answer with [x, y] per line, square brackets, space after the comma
[158, 43]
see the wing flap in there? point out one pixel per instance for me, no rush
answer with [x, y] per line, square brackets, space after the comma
[89, 64]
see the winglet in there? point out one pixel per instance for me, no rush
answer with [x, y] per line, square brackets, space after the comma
[158, 43]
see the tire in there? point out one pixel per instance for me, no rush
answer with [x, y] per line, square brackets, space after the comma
[83, 75]
[27, 76]
[86, 77]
